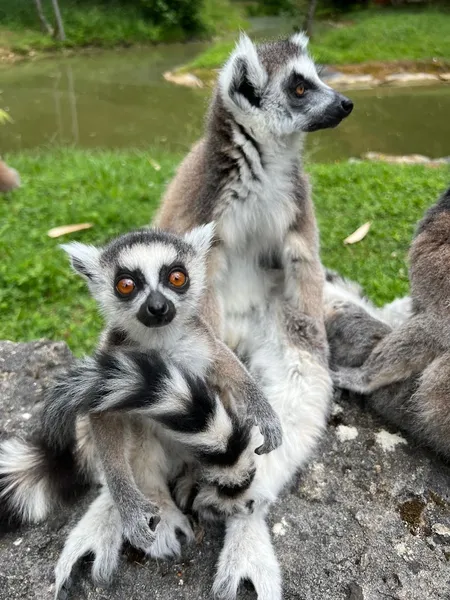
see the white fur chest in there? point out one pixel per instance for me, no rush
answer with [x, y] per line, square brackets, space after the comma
[188, 348]
[192, 352]
[259, 206]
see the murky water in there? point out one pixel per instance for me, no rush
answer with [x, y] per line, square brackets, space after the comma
[119, 98]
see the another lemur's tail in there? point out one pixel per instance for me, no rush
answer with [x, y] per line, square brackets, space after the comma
[34, 478]
[49, 468]
[37, 474]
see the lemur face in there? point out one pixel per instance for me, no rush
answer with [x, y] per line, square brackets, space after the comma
[274, 89]
[151, 294]
[146, 278]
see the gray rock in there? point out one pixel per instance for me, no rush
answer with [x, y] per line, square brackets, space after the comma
[367, 520]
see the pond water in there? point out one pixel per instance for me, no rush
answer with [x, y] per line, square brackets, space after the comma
[119, 99]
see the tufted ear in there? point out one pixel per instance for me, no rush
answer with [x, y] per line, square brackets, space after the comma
[85, 260]
[300, 39]
[243, 77]
[201, 237]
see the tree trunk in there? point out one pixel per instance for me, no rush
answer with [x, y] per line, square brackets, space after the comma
[60, 33]
[47, 28]
[308, 23]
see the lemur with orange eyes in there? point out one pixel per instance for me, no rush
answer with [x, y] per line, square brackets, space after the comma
[161, 395]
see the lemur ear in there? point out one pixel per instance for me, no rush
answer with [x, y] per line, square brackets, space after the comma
[243, 76]
[300, 39]
[84, 259]
[201, 238]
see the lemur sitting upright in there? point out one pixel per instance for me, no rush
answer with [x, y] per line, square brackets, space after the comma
[265, 293]
[157, 359]
[405, 372]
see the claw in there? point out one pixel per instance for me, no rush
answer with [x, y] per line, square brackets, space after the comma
[153, 522]
[261, 450]
[273, 438]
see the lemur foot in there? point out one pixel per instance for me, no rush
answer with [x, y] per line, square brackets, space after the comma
[140, 524]
[236, 565]
[167, 543]
[98, 532]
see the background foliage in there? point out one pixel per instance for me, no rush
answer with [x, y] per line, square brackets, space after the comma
[118, 191]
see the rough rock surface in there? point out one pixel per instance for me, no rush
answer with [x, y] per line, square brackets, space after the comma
[369, 519]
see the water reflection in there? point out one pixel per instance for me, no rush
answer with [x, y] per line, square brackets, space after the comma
[119, 98]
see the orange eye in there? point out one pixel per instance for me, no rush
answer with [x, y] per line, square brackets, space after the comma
[125, 286]
[177, 278]
[300, 90]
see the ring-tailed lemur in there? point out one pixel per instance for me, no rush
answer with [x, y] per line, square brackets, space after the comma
[155, 358]
[405, 372]
[266, 279]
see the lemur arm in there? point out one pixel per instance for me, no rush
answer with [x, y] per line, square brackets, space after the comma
[304, 275]
[230, 373]
[139, 515]
[404, 352]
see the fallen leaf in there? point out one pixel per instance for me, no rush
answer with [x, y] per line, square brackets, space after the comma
[5, 117]
[359, 234]
[58, 231]
[154, 164]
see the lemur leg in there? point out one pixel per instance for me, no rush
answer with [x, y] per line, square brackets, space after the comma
[231, 373]
[152, 465]
[248, 554]
[139, 515]
[404, 352]
[99, 532]
[296, 379]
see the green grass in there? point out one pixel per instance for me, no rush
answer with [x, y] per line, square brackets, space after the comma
[103, 24]
[372, 35]
[118, 191]
[385, 35]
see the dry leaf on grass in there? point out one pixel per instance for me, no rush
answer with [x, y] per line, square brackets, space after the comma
[359, 234]
[58, 231]
[154, 164]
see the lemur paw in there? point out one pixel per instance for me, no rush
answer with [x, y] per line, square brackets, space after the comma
[166, 543]
[234, 567]
[140, 524]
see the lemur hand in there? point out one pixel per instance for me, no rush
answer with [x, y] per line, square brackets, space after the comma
[140, 522]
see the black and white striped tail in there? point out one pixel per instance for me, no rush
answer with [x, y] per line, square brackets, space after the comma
[183, 404]
[39, 473]
[35, 478]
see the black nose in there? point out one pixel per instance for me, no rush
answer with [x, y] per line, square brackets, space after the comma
[347, 106]
[157, 305]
